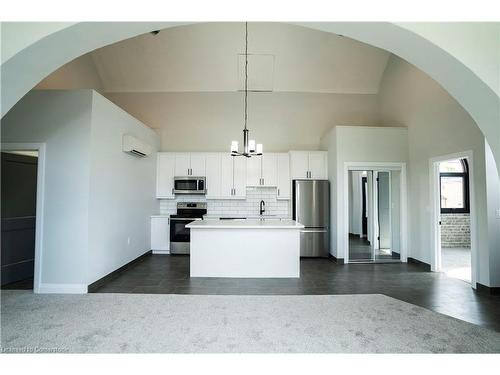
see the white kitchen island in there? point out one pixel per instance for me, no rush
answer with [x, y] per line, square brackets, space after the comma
[245, 248]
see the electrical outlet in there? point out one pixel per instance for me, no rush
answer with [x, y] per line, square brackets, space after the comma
[498, 213]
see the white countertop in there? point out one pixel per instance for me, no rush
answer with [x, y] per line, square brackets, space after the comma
[239, 216]
[245, 224]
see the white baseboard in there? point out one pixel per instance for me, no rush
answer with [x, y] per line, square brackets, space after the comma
[62, 289]
[161, 251]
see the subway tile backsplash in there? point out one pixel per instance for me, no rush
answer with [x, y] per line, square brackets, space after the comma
[223, 207]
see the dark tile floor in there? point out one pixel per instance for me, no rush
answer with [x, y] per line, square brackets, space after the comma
[360, 250]
[406, 282]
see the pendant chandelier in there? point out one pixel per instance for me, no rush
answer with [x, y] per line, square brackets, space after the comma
[249, 147]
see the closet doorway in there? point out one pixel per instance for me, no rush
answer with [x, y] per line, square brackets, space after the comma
[374, 215]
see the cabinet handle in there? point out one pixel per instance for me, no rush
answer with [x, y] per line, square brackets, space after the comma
[168, 221]
[263, 181]
[172, 191]
[278, 192]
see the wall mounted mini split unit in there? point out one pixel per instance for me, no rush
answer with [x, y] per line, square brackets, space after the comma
[135, 146]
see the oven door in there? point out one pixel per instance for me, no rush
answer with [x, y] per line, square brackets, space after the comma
[180, 235]
[189, 185]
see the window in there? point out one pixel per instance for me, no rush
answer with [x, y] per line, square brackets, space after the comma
[454, 185]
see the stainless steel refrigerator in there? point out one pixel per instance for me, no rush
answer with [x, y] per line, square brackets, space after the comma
[311, 207]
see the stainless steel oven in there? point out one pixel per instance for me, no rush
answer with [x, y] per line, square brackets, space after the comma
[179, 234]
[189, 185]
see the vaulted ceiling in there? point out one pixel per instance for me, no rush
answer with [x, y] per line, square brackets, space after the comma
[185, 76]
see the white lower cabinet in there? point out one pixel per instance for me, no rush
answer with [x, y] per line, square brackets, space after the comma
[160, 234]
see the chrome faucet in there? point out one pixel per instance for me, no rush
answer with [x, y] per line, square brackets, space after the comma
[262, 207]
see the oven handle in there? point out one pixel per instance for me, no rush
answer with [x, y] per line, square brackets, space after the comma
[181, 219]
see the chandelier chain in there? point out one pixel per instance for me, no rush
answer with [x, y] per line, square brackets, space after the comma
[246, 72]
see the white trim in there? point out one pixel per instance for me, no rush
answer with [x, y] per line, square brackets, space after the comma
[62, 288]
[160, 251]
[377, 166]
[40, 199]
[435, 207]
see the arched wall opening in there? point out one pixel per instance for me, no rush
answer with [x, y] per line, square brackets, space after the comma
[30, 65]
[354, 31]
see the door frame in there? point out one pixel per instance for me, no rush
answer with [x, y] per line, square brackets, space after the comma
[40, 188]
[435, 208]
[376, 218]
[376, 166]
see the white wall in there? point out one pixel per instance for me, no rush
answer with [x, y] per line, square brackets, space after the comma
[18, 35]
[329, 143]
[96, 196]
[80, 73]
[357, 144]
[437, 126]
[396, 210]
[493, 199]
[122, 190]
[62, 121]
[477, 44]
[281, 121]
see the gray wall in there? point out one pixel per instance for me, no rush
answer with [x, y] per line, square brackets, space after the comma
[122, 190]
[96, 196]
[61, 119]
[437, 126]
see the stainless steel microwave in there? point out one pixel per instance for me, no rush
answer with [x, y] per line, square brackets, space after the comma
[189, 185]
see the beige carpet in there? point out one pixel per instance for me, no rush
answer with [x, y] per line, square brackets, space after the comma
[214, 324]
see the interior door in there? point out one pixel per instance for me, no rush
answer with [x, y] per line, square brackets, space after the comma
[269, 169]
[213, 175]
[299, 164]
[254, 171]
[197, 164]
[384, 210]
[182, 164]
[317, 165]
[19, 183]
[165, 169]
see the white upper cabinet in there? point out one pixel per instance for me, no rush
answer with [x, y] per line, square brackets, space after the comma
[284, 182]
[240, 176]
[233, 176]
[227, 185]
[308, 165]
[269, 169]
[213, 175]
[181, 163]
[190, 164]
[165, 169]
[254, 171]
[299, 164]
[262, 170]
[318, 165]
[197, 164]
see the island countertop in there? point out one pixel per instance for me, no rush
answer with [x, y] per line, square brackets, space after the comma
[245, 224]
